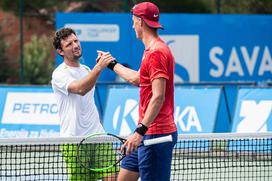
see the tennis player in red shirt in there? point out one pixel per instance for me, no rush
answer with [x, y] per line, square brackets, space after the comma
[156, 81]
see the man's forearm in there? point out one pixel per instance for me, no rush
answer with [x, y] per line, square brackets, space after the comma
[87, 83]
[127, 74]
[152, 110]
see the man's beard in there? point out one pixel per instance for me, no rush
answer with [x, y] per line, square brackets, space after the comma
[77, 57]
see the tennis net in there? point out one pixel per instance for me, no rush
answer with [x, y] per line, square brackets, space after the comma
[198, 157]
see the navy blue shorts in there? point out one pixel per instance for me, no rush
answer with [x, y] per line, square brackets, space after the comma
[152, 162]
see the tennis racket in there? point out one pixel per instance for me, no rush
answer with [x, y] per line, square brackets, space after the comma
[101, 151]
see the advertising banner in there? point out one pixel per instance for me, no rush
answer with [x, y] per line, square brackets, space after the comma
[253, 111]
[195, 110]
[206, 48]
[28, 112]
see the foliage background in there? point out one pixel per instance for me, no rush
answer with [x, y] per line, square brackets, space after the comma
[38, 25]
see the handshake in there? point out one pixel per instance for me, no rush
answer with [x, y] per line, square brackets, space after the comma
[106, 57]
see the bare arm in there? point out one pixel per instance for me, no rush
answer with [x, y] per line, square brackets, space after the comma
[153, 109]
[127, 74]
[84, 85]
[156, 101]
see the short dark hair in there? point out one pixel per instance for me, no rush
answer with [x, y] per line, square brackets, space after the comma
[62, 34]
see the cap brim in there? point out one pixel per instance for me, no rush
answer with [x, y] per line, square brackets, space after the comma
[153, 24]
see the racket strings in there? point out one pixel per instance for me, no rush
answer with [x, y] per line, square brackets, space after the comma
[94, 155]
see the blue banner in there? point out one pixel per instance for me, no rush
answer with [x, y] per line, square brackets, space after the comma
[121, 111]
[101, 31]
[195, 110]
[206, 48]
[32, 111]
[253, 112]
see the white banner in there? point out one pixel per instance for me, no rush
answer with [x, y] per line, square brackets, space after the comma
[35, 108]
[96, 32]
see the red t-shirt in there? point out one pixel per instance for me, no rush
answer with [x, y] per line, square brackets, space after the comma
[158, 62]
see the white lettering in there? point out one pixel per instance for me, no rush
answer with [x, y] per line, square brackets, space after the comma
[234, 64]
[33, 134]
[23, 133]
[250, 61]
[266, 63]
[192, 121]
[217, 62]
[49, 133]
[124, 121]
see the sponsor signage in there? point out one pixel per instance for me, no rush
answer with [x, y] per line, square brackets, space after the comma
[195, 110]
[121, 112]
[206, 48]
[185, 49]
[28, 112]
[96, 32]
[253, 111]
[34, 108]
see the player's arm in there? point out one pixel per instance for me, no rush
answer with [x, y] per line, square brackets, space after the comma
[156, 101]
[84, 85]
[127, 74]
[153, 109]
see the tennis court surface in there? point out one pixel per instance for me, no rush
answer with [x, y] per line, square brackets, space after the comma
[203, 157]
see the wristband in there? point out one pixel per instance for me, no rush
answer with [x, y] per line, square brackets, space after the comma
[112, 64]
[141, 129]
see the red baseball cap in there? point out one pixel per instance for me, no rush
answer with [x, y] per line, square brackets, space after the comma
[149, 12]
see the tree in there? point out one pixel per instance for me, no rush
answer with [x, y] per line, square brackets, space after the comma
[6, 70]
[37, 64]
[246, 6]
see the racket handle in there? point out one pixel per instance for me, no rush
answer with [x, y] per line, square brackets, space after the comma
[162, 139]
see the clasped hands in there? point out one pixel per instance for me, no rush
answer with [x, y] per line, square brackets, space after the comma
[104, 58]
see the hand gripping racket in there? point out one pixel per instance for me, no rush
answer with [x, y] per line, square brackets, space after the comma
[101, 151]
